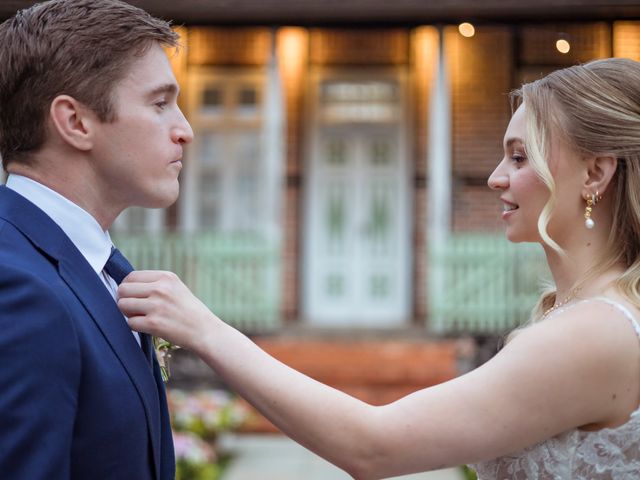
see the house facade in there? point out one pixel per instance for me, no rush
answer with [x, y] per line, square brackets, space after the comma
[341, 153]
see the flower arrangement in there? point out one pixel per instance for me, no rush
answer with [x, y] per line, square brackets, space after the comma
[206, 413]
[198, 418]
[163, 354]
[195, 458]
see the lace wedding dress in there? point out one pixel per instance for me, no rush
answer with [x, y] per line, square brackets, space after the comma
[606, 454]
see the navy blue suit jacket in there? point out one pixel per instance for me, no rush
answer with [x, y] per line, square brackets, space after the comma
[78, 398]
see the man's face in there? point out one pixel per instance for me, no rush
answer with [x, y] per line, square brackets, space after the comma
[137, 157]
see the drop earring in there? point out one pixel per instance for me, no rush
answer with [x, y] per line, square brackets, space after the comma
[591, 201]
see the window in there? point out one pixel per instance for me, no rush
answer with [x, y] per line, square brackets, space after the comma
[226, 162]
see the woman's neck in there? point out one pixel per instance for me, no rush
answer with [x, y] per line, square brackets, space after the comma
[571, 272]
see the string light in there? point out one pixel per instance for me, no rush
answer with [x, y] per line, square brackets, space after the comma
[466, 29]
[563, 46]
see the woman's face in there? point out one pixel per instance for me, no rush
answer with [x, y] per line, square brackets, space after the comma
[523, 193]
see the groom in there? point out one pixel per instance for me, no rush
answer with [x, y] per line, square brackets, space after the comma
[89, 125]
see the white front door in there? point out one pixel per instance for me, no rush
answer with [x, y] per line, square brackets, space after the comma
[357, 232]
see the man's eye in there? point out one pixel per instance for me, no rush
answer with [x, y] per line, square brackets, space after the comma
[161, 105]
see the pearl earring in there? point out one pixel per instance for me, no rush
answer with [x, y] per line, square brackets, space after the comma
[591, 201]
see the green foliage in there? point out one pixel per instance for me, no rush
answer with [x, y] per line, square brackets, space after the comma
[186, 470]
[469, 473]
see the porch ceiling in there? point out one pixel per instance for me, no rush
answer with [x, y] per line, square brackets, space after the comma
[308, 12]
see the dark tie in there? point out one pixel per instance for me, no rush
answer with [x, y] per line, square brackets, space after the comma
[119, 267]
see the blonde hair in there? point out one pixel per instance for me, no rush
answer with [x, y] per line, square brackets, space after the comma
[595, 109]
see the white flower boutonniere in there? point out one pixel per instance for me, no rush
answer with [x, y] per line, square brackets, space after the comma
[163, 353]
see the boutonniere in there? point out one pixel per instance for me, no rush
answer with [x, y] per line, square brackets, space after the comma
[163, 353]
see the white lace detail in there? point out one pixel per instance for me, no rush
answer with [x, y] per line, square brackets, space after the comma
[606, 454]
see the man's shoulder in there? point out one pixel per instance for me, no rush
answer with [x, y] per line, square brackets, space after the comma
[12, 241]
[26, 229]
[24, 270]
[33, 299]
[6, 228]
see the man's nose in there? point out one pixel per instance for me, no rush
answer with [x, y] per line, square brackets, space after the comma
[183, 133]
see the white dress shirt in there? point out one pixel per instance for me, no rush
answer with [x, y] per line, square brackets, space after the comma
[82, 229]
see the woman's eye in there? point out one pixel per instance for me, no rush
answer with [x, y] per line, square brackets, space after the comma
[518, 158]
[161, 104]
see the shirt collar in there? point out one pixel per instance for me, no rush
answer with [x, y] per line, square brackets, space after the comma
[82, 229]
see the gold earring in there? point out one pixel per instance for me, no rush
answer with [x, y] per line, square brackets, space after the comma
[591, 201]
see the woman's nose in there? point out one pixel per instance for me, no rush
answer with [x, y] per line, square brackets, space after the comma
[498, 180]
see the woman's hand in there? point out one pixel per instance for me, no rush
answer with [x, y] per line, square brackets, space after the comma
[158, 303]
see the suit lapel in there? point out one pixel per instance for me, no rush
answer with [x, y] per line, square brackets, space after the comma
[47, 236]
[100, 305]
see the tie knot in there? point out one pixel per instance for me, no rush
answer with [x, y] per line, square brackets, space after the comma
[118, 266]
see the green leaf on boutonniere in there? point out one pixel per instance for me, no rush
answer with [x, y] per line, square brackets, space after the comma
[163, 353]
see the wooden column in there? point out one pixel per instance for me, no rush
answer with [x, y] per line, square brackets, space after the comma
[439, 161]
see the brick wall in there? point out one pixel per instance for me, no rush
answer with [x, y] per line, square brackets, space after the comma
[477, 209]
[424, 60]
[626, 40]
[293, 48]
[229, 46]
[588, 41]
[481, 76]
[351, 47]
[375, 371]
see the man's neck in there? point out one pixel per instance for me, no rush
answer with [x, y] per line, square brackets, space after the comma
[73, 184]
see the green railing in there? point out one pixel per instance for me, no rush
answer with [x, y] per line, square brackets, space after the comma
[483, 284]
[479, 283]
[236, 276]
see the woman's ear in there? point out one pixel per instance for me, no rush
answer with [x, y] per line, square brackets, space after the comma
[599, 173]
[72, 121]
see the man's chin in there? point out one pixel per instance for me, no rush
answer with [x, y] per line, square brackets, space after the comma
[160, 200]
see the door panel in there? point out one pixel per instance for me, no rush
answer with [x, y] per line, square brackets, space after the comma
[357, 227]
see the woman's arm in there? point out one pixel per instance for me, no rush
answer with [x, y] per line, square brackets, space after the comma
[552, 377]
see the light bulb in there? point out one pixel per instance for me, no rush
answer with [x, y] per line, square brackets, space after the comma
[563, 46]
[466, 29]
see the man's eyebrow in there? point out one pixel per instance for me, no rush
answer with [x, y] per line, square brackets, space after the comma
[166, 88]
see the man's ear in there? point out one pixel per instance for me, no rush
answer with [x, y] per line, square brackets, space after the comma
[599, 173]
[73, 122]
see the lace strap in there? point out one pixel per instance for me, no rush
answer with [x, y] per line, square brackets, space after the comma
[627, 313]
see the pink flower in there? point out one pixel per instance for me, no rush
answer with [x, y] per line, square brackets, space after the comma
[190, 448]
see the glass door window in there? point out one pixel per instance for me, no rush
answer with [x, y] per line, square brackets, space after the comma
[227, 158]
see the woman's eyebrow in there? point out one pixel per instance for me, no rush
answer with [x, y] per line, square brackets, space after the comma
[510, 141]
